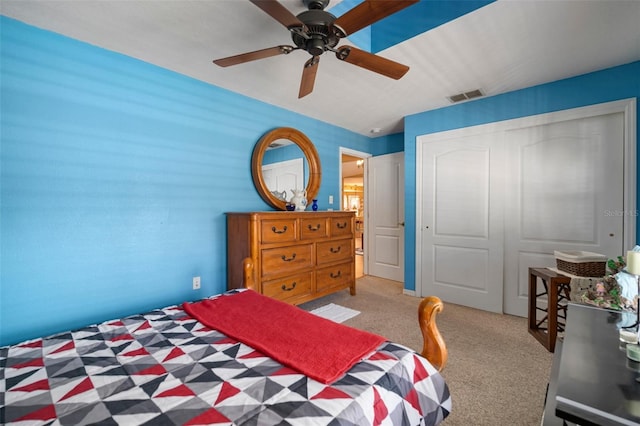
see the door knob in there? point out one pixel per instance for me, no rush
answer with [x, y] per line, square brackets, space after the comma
[401, 223]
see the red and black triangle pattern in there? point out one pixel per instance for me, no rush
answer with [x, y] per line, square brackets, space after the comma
[166, 368]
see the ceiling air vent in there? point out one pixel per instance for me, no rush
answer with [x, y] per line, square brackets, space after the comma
[465, 96]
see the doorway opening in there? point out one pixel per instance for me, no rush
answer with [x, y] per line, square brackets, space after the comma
[353, 166]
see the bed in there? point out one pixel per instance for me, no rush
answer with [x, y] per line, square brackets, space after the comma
[174, 366]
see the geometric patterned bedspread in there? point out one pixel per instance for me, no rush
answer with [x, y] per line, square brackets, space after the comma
[166, 368]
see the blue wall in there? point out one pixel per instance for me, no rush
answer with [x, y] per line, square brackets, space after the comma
[417, 19]
[115, 174]
[409, 22]
[115, 177]
[608, 85]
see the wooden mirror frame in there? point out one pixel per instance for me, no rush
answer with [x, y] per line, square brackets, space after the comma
[309, 151]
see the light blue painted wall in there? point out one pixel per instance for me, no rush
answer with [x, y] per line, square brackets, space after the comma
[115, 177]
[387, 144]
[360, 39]
[608, 85]
[417, 19]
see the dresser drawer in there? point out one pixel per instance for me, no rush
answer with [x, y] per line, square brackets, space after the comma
[281, 260]
[314, 228]
[332, 251]
[278, 231]
[290, 287]
[334, 276]
[341, 226]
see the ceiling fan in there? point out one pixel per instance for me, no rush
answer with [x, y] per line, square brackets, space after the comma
[317, 31]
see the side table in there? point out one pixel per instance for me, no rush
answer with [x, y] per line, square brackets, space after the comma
[556, 287]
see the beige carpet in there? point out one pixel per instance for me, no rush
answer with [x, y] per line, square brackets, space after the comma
[497, 372]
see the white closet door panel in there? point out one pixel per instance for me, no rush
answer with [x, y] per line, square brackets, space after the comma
[565, 179]
[454, 265]
[557, 185]
[461, 234]
[462, 186]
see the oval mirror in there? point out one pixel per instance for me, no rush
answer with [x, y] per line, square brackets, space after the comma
[290, 141]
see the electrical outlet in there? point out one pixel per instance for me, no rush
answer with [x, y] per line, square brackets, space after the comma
[196, 283]
[330, 199]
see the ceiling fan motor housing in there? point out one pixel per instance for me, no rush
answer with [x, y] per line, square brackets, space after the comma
[320, 34]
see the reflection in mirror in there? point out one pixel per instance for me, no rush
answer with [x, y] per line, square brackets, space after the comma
[297, 152]
[284, 168]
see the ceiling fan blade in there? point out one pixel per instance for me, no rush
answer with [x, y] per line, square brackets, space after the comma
[371, 62]
[252, 56]
[278, 12]
[368, 12]
[308, 76]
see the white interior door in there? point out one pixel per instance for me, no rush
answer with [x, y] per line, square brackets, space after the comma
[385, 216]
[461, 223]
[565, 192]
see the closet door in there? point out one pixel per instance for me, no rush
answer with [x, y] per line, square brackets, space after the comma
[496, 199]
[461, 221]
[565, 184]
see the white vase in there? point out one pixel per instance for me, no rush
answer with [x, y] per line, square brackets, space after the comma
[299, 199]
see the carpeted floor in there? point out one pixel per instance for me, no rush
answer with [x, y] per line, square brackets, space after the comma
[497, 373]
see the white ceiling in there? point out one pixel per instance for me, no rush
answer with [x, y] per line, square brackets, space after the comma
[504, 46]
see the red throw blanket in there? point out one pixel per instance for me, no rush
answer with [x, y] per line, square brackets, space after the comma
[317, 347]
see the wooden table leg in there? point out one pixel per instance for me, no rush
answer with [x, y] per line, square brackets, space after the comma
[552, 316]
[545, 330]
[533, 289]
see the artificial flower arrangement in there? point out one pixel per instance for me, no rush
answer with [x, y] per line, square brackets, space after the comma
[613, 291]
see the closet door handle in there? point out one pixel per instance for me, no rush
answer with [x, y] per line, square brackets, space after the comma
[288, 259]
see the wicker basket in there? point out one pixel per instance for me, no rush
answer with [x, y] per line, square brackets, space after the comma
[581, 263]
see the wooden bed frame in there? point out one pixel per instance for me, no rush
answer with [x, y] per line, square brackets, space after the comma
[434, 348]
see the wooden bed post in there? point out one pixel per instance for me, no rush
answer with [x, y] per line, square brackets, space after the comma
[434, 348]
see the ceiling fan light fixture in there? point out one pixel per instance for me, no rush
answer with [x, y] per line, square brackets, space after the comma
[315, 46]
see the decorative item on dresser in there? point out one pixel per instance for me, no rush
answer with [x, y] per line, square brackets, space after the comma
[297, 256]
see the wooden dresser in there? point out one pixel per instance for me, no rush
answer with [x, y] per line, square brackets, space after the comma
[297, 256]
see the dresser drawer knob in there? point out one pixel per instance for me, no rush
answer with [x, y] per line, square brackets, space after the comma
[341, 225]
[335, 250]
[285, 288]
[338, 275]
[277, 231]
[314, 228]
[288, 259]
